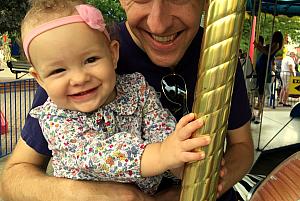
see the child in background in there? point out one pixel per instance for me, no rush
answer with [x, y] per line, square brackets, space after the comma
[100, 126]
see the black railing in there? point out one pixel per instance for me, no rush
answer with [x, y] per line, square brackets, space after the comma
[15, 100]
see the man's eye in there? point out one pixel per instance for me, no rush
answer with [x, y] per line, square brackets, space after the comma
[141, 1]
[180, 2]
[90, 60]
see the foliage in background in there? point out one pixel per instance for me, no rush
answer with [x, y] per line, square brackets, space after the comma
[286, 25]
[11, 15]
[13, 11]
[111, 9]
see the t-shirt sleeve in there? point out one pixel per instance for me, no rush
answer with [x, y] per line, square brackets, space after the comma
[31, 132]
[240, 112]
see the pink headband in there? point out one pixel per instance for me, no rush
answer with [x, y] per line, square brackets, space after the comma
[87, 14]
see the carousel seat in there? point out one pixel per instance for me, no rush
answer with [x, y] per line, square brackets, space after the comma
[282, 184]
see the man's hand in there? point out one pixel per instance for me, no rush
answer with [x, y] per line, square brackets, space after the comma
[238, 157]
[222, 174]
[171, 194]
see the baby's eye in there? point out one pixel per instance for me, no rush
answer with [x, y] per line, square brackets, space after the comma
[56, 71]
[90, 60]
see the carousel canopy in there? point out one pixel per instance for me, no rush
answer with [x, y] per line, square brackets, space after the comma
[278, 7]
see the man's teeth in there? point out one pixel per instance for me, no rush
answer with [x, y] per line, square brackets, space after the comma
[164, 38]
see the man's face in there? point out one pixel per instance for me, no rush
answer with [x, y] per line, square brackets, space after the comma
[163, 28]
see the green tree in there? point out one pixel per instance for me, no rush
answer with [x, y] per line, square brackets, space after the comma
[13, 11]
[111, 9]
[282, 23]
[11, 15]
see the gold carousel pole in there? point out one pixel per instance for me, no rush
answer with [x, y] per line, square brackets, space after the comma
[217, 65]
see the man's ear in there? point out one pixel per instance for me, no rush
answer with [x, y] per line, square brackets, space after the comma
[114, 49]
[34, 73]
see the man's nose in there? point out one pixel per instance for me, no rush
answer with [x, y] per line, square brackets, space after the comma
[79, 77]
[159, 19]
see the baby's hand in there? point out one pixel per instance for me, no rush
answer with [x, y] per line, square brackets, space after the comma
[178, 148]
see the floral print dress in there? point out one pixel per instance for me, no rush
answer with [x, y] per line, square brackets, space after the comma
[106, 145]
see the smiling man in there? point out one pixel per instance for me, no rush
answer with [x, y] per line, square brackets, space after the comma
[160, 38]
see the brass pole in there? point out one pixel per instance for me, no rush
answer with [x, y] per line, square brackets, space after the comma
[217, 65]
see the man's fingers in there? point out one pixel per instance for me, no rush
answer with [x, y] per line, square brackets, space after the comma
[219, 190]
[223, 162]
[223, 172]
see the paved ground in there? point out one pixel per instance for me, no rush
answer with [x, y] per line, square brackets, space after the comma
[6, 75]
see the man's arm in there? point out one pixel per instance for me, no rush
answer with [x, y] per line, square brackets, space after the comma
[265, 49]
[238, 156]
[292, 69]
[24, 178]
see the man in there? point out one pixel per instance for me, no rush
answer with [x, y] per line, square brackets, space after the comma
[159, 38]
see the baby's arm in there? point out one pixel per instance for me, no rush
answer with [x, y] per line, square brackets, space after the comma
[167, 149]
[127, 156]
[175, 150]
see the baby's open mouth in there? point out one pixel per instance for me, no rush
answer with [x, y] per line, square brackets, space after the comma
[84, 92]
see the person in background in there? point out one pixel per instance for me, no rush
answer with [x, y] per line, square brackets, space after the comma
[261, 42]
[286, 41]
[158, 39]
[264, 69]
[240, 54]
[287, 70]
[296, 61]
[298, 71]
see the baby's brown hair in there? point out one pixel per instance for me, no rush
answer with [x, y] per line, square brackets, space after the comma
[42, 11]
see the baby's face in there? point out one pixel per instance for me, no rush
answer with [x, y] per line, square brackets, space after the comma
[76, 66]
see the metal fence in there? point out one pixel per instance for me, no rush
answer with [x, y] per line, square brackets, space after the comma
[15, 100]
[279, 81]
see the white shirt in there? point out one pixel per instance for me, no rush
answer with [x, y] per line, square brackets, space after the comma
[286, 61]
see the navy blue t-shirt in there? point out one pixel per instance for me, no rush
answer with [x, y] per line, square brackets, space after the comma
[133, 59]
